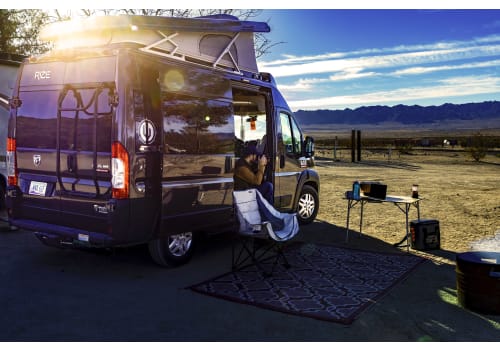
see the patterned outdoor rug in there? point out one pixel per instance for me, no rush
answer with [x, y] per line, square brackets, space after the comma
[324, 282]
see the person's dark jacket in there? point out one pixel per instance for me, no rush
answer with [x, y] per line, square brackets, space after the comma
[245, 175]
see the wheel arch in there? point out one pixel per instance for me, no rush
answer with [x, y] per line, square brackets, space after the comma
[307, 177]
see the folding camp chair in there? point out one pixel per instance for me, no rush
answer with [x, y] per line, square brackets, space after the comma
[262, 231]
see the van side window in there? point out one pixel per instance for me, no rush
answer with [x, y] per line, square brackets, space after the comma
[196, 126]
[250, 121]
[197, 112]
[291, 135]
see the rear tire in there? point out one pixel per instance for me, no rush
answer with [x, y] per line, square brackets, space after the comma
[174, 250]
[307, 205]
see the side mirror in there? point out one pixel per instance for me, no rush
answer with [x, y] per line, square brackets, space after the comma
[309, 146]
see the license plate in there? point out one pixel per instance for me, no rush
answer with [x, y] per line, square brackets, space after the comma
[37, 188]
[83, 237]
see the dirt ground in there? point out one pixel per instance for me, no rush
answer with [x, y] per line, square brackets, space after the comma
[459, 192]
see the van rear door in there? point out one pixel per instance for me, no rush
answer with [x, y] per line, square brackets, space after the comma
[63, 141]
[83, 153]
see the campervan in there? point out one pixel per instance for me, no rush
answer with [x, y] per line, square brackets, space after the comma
[9, 64]
[128, 131]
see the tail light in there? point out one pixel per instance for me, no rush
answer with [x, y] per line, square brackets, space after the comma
[11, 162]
[119, 171]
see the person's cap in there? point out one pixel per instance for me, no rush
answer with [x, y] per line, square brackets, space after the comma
[251, 149]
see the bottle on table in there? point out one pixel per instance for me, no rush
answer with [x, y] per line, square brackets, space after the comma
[414, 191]
[356, 190]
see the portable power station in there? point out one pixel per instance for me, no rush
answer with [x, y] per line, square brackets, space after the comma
[425, 234]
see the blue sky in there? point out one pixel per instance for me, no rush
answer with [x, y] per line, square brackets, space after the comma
[347, 57]
[336, 59]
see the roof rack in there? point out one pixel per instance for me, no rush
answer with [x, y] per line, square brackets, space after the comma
[220, 41]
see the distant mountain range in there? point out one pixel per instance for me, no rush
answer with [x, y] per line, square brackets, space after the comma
[479, 114]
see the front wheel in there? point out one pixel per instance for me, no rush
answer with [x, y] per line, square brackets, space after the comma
[174, 250]
[307, 205]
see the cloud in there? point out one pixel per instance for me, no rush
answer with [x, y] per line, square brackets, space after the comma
[309, 84]
[338, 71]
[301, 59]
[424, 70]
[461, 86]
[343, 63]
[300, 85]
[382, 61]
[351, 74]
[288, 59]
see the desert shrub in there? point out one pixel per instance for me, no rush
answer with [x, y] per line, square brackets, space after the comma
[404, 148]
[477, 147]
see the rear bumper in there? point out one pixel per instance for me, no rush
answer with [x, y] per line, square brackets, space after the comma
[63, 236]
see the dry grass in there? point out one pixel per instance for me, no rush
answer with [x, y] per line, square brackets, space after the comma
[459, 192]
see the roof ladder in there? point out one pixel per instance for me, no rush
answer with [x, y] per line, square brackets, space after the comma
[166, 38]
[226, 50]
[169, 38]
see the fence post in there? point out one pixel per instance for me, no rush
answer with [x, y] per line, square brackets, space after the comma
[335, 145]
[353, 146]
[359, 145]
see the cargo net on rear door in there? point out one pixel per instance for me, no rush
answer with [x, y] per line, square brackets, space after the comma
[83, 147]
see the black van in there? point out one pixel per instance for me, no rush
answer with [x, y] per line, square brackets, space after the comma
[128, 132]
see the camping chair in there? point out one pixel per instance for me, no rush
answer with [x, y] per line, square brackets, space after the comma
[262, 231]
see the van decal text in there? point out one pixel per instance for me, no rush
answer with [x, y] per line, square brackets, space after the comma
[42, 75]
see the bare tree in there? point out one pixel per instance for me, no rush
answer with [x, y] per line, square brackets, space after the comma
[19, 31]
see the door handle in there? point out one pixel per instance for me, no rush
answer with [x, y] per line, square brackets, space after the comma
[228, 164]
[71, 163]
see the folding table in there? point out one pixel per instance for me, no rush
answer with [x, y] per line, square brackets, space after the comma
[404, 203]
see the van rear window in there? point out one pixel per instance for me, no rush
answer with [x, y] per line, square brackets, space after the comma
[80, 116]
[37, 119]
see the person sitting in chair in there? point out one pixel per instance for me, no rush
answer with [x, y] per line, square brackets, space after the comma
[249, 173]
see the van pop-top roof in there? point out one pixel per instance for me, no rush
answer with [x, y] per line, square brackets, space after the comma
[221, 41]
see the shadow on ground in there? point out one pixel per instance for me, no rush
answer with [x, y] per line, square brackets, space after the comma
[425, 304]
[51, 294]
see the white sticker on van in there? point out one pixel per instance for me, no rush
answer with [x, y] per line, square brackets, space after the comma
[102, 168]
[147, 132]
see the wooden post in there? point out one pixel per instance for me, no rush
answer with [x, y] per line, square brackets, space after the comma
[359, 145]
[335, 145]
[353, 146]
